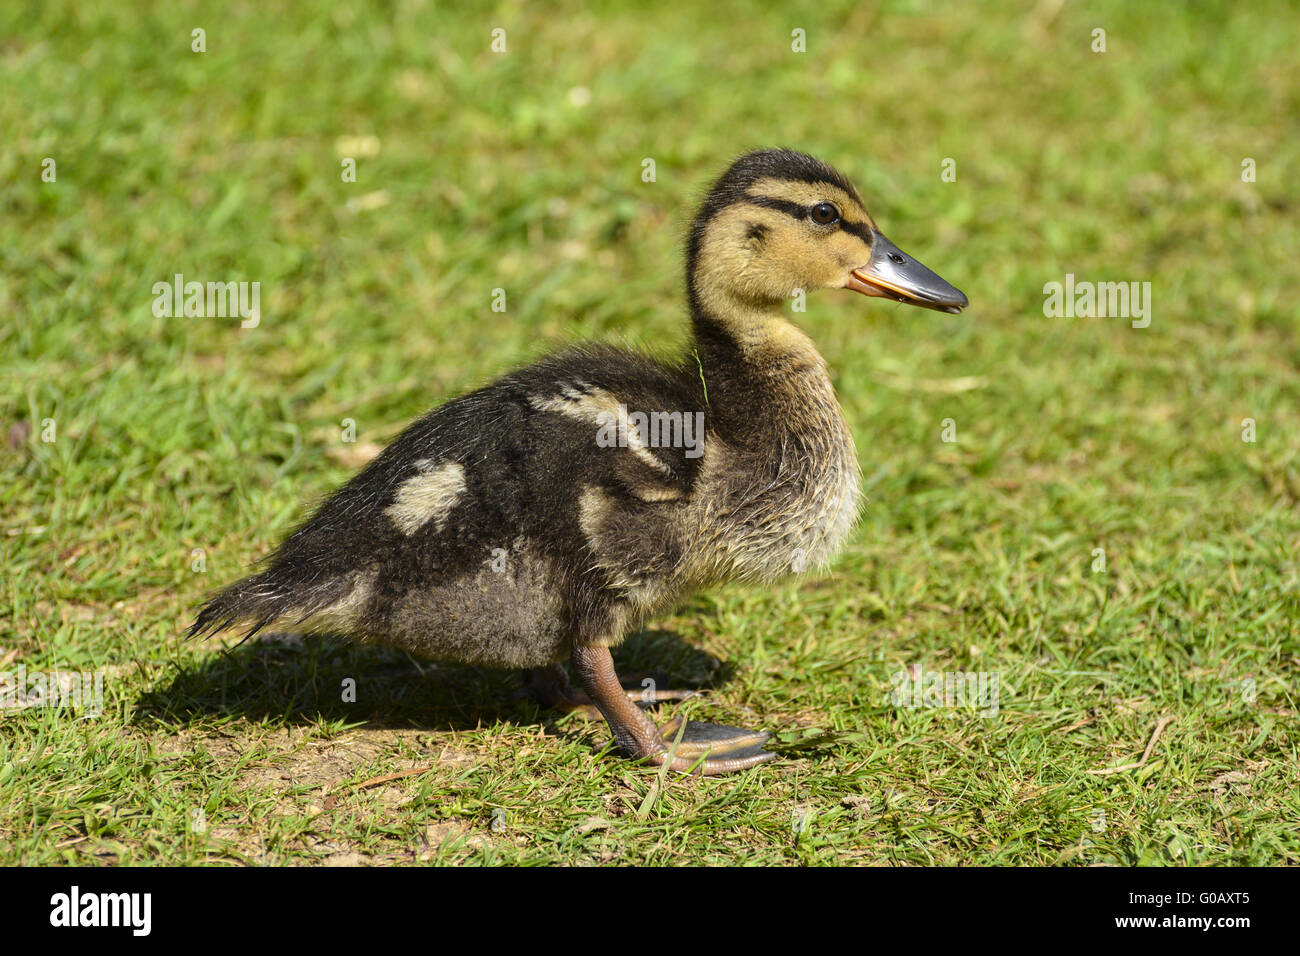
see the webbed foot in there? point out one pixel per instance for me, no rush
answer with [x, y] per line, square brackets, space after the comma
[711, 748]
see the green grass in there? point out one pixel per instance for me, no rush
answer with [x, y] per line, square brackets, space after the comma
[485, 172]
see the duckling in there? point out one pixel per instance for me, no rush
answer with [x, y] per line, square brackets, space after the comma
[547, 515]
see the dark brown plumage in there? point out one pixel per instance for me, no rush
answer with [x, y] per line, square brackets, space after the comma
[540, 518]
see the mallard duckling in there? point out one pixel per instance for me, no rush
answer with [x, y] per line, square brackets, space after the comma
[550, 513]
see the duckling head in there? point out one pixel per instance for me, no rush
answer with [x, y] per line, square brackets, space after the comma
[779, 221]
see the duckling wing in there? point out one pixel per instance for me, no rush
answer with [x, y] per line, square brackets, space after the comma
[639, 423]
[407, 551]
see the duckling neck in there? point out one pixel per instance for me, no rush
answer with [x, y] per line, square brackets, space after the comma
[757, 368]
[785, 480]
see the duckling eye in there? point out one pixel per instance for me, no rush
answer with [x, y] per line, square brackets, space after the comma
[825, 213]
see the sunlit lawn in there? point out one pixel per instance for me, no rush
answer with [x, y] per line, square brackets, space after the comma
[1100, 535]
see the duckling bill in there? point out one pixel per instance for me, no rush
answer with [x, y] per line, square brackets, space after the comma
[501, 530]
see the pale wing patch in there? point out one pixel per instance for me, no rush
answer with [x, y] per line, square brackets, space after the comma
[578, 400]
[429, 496]
[601, 410]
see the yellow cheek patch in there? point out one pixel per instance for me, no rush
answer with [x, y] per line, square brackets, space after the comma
[849, 251]
[728, 247]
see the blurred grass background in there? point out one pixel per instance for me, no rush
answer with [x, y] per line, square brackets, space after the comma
[522, 171]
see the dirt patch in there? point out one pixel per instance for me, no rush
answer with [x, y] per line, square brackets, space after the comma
[296, 760]
[328, 782]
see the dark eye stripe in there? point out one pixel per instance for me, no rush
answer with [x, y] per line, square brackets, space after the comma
[859, 229]
[783, 205]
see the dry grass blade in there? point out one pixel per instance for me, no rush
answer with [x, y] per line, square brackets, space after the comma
[332, 799]
[1151, 745]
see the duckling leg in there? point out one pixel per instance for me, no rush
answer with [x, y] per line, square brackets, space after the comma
[551, 685]
[704, 748]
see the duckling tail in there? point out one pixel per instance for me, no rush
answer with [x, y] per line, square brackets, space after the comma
[257, 601]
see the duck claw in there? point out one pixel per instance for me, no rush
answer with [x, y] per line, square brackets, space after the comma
[711, 749]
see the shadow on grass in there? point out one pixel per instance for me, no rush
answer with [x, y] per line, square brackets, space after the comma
[302, 680]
